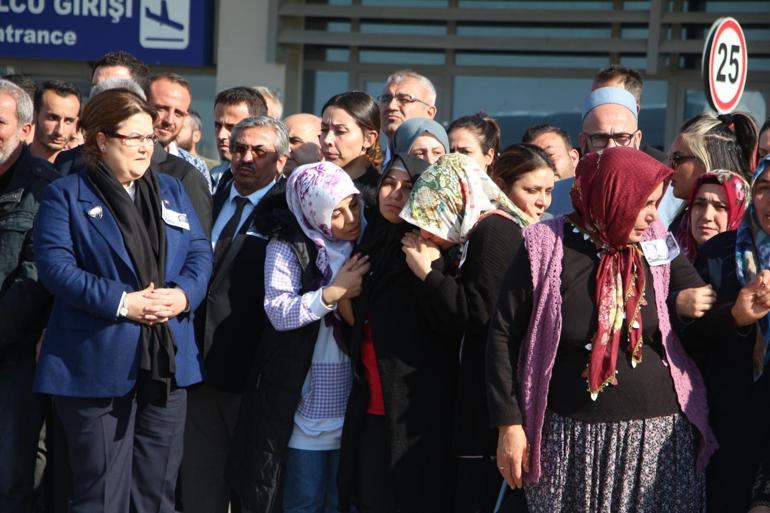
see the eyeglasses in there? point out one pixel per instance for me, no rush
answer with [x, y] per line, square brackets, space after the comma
[601, 140]
[402, 99]
[134, 141]
[241, 150]
[677, 159]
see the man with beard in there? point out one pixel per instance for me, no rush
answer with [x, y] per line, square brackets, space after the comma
[57, 107]
[191, 135]
[228, 323]
[23, 301]
[170, 95]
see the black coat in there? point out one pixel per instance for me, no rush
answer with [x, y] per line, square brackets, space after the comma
[24, 302]
[738, 407]
[273, 391]
[229, 322]
[194, 183]
[417, 368]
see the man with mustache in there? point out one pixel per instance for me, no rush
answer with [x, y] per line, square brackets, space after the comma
[228, 323]
[171, 96]
[231, 106]
[57, 107]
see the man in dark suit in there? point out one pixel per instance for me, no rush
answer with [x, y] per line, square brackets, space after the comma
[23, 300]
[229, 322]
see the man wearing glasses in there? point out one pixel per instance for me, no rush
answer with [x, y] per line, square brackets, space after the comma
[609, 120]
[406, 95]
[228, 322]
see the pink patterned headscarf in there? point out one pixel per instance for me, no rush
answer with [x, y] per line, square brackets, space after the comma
[313, 191]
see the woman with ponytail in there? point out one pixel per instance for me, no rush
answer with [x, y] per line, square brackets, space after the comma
[350, 131]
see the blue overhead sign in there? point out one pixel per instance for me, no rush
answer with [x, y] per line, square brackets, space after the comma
[172, 32]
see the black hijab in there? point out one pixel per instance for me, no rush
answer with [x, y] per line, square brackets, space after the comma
[382, 239]
[141, 224]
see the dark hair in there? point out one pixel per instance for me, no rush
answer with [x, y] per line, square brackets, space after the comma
[254, 101]
[60, 87]
[365, 111]
[484, 127]
[104, 112]
[28, 85]
[136, 68]
[726, 141]
[536, 131]
[517, 160]
[173, 78]
[631, 79]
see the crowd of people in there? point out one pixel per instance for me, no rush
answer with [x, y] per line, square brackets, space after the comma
[360, 310]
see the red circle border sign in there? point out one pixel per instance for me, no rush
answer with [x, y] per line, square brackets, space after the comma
[724, 107]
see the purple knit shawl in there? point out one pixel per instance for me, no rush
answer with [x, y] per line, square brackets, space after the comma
[538, 352]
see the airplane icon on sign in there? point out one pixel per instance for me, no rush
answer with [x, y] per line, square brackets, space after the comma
[163, 18]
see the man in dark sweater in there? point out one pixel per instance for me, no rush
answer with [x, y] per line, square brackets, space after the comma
[23, 300]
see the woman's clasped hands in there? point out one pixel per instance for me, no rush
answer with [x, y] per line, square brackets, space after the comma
[155, 305]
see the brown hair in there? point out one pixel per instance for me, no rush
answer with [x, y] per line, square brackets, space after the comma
[484, 127]
[103, 113]
[364, 110]
[516, 161]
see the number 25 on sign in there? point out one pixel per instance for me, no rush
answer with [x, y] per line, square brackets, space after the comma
[724, 65]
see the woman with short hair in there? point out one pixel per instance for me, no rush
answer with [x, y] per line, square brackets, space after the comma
[120, 248]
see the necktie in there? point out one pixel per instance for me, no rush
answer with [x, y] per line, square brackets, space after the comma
[226, 237]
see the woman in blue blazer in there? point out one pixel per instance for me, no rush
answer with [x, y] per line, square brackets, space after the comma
[120, 248]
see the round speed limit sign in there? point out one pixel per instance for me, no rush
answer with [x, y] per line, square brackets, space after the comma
[724, 65]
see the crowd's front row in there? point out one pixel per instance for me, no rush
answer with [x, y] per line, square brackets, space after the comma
[607, 369]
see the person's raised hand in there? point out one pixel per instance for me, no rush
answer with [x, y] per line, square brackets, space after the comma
[695, 302]
[753, 301]
[347, 283]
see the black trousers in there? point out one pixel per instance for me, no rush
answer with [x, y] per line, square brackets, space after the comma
[123, 453]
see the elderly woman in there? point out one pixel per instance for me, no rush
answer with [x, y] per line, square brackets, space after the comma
[455, 203]
[733, 361]
[120, 248]
[599, 407]
[422, 137]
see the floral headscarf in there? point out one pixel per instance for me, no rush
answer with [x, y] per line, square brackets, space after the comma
[610, 190]
[738, 197]
[312, 192]
[752, 254]
[452, 195]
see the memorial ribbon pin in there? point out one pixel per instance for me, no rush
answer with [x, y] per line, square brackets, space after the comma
[96, 212]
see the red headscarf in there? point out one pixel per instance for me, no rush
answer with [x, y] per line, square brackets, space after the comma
[610, 190]
[738, 194]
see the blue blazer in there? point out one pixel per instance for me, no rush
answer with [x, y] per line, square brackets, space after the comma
[82, 260]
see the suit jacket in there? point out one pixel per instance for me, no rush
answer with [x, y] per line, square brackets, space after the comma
[71, 161]
[230, 320]
[83, 261]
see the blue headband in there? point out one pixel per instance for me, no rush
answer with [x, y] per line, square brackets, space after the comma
[605, 95]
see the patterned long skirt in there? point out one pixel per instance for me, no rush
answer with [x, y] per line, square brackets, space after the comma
[635, 466]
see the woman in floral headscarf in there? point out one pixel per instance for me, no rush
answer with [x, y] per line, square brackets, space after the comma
[733, 361]
[290, 424]
[453, 203]
[599, 406]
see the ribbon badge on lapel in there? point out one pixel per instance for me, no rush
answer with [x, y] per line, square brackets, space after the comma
[96, 212]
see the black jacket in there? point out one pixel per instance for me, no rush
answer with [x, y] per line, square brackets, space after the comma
[24, 302]
[71, 161]
[229, 322]
[417, 368]
[273, 391]
[738, 406]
